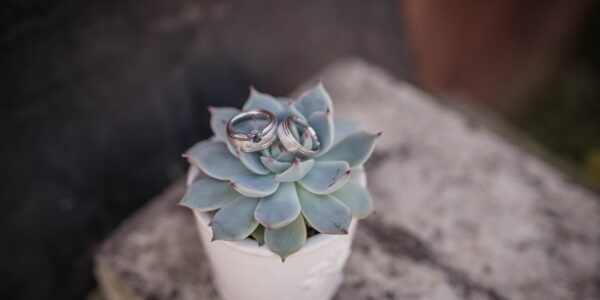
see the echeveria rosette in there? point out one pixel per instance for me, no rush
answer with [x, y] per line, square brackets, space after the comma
[273, 195]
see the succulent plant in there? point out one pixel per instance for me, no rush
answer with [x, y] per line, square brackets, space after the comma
[273, 196]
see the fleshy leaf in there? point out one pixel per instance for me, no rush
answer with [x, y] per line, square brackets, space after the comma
[356, 198]
[219, 116]
[236, 220]
[280, 208]
[284, 155]
[294, 131]
[288, 109]
[307, 141]
[354, 149]
[276, 149]
[296, 172]
[343, 129]
[313, 100]
[322, 123]
[215, 160]
[287, 240]
[258, 100]
[232, 150]
[252, 185]
[208, 194]
[259, 235]
[326, 177]
[252, 161]
[324, 213]
[357, 174]
[274, 165]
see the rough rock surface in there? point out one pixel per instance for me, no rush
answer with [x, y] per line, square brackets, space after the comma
[461, 214]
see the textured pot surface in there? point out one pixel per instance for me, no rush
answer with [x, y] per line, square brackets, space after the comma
[242, 270]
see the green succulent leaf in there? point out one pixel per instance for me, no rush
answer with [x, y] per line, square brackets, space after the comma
[219, 116]
[343, 129]
[354, 149]
[258, 100]
[307, 141]
[357, 174]
[259, 235]
[280, 208]
[314, 100]
[296, 171]
[253, 162]
[288, 239]
[273, 165]
[275, 149]
[324, 212]
[208, 194]
[213, 158]
[232, 150]
[356, 198]
[326, 177]
[284, 155]
[253, 185]
[322, 123]
[236, 220]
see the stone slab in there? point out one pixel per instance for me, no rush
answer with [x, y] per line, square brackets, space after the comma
[461, 214]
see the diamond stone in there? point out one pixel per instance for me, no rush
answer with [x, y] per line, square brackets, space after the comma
[255, 136]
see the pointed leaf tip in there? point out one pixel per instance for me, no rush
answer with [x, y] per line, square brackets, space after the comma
[236, 220]
[280, 208]
[258, 100]
[288, 239]
[253, 185]
[324, 213]
[357, 198]
[297, 171]
[354, 149]
[313, 100]
[326, 177]
[219, 116]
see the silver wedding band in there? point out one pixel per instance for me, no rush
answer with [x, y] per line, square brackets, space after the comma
[256, 139]
[289, 141]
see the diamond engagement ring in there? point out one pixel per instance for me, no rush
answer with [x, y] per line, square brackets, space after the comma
[291, 144]
[252, 138]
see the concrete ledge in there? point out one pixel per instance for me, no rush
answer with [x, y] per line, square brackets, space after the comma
[461, 214]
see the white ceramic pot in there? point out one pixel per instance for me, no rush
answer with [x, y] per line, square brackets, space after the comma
[244, 271]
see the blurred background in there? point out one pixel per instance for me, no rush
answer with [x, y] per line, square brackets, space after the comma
[100, 98]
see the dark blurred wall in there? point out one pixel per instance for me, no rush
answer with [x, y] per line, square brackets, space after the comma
[100, 98]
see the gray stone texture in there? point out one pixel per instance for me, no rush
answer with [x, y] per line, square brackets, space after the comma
[462, 213]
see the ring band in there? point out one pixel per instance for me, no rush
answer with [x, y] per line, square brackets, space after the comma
[256, 139]
[291, 144]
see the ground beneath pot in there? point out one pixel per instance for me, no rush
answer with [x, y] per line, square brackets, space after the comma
[462, 213]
